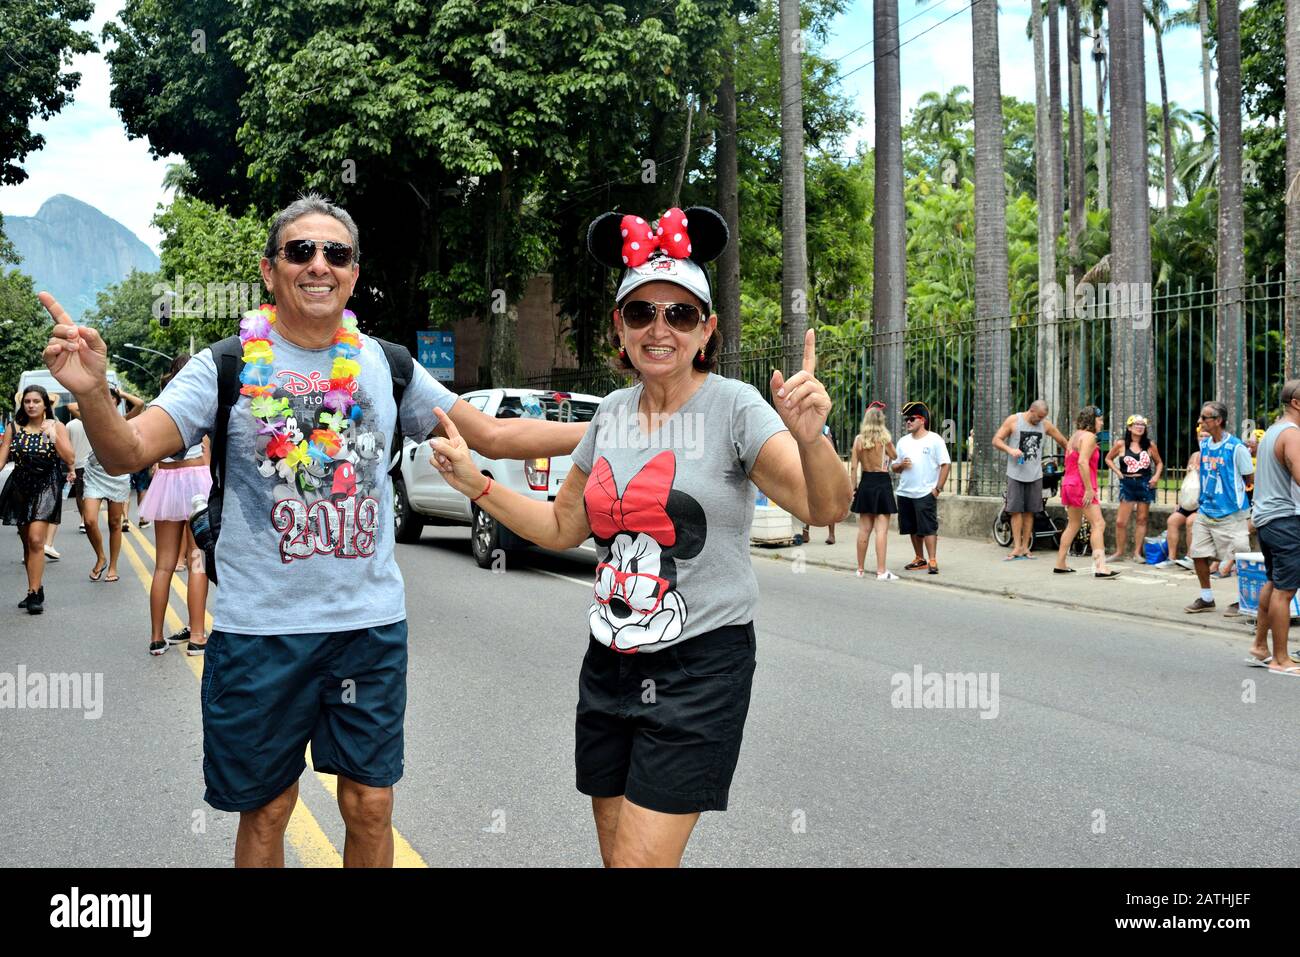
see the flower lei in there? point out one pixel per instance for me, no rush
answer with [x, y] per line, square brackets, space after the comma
[325, 442]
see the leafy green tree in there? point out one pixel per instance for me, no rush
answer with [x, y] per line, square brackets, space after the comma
[24, 331]
[124, 314]
[37, 38]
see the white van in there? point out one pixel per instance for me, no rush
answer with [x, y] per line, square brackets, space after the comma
[58, 394]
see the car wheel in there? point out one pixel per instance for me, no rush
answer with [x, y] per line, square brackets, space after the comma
[484, 537]
[407, 525]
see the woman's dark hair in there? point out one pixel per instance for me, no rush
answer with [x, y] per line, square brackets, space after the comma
[1144, 442]
[707, 364]
[20, 416]
[177, 365]
[1087, 418]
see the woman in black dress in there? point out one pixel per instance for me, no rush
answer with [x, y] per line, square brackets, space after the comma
[32, 498]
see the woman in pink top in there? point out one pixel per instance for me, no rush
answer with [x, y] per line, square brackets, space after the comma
[1079, 493]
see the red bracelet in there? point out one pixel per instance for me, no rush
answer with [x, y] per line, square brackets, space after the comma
[487, 488]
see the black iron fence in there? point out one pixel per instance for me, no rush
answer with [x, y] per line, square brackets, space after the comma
[1062, 353]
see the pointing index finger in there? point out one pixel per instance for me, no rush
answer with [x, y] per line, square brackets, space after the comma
[448, 426]
[809, 352]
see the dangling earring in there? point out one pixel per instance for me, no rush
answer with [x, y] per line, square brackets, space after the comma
[700, 357]
[622, 353]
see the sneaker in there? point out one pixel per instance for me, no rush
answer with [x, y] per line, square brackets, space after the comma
[1164, 564]
[82, 528]
[194, 650]
[1199, 605]
[23, 603]
[1234, 610]
[1187, 563]
[51, 554]
[886, 576]
[157, 648]
[179, 638]
[126, 526]
[143, 523]
[934, 568]
[36, 601]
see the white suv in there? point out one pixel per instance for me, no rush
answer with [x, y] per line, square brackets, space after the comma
[421, 496]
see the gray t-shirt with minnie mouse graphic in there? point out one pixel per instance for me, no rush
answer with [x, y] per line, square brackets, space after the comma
[671, 514]
[312, 551]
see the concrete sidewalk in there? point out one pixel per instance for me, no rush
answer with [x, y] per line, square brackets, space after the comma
[976, 566]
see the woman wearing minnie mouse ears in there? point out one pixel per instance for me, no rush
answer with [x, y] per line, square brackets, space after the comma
[661, 480]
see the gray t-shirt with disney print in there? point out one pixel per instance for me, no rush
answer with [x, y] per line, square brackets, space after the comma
[311, 552]
[671, 514]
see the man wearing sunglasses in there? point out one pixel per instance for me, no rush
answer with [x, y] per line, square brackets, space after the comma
[922, 466]
[309, 636]
[1221, 528]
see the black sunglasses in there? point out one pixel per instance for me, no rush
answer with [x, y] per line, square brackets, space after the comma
[302, 251]
[682, 316]
[1212, 418]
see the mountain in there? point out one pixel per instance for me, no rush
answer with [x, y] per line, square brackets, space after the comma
[73, 250]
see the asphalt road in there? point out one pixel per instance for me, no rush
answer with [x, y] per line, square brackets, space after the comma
[1115, 742]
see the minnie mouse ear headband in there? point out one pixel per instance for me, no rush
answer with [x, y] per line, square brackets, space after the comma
[673, 252]
[876, 405]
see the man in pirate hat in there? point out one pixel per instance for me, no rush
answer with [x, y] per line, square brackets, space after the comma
[922, 465]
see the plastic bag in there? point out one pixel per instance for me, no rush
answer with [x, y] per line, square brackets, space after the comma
[1155, 550]
[1189, 495]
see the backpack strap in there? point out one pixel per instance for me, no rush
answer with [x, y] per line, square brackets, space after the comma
[228, 354]
[402, 369]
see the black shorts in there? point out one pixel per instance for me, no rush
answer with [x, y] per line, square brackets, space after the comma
[1279, 540]
[663, 728]
[918, 516]
[1185, 513]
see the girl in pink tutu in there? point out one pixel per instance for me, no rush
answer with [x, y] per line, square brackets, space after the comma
[167, 504]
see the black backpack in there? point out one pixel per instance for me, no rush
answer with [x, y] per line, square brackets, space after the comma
[228, 355]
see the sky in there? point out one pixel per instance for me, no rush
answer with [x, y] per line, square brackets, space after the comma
[87, 154]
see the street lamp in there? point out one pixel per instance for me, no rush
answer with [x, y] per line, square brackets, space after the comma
[131, 345]
[129, 362]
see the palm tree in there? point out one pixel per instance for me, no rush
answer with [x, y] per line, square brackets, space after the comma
[1199, 17]
[992, 296]
[1097, 9]
[1196, 162]
[889, 226]
[1157, 14]
[1078, 196]
[794, 230]
[1291, 297]
[1230, 346]
[1132, 356]
[1054, 95]
[1046, 163]
[728, 177]
[939, 116]
[1171, 120]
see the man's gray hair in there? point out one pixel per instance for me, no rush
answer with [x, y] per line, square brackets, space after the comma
[1038, 404]
[306, 205]
[1220, 409]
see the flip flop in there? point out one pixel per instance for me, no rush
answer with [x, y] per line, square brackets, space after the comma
[1292, 672]
[113, 579]
[1011, 558]
[1254, 662]
[96, 576]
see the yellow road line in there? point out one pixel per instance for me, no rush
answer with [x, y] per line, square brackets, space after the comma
[404, 855]
[305, 833]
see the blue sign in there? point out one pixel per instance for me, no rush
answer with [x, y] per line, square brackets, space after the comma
[438, 354]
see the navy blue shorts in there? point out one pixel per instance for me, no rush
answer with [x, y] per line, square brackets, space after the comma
[1279, 540]
[664, 728]
[1136, 490]
[266, 696]
[140, 480]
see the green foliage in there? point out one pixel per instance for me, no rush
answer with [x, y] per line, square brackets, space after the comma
[37, 39]
[124, 314]
[24, 331]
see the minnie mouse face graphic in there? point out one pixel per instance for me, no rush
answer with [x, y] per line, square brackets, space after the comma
[647, 531]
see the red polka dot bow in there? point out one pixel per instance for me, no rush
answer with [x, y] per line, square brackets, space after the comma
[639, 240]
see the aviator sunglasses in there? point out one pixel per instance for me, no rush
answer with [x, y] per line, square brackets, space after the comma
[682, 316]
[302, 251]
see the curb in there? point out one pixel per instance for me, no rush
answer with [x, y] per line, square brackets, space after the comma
[1217, 623]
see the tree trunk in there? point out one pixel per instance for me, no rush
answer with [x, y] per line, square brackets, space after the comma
[1203, 16]
[1166, 148]
[794, 237]
[992, 302]
[1078, 183]
[889, 222]
[1054, 92]
[1230, 346]
[1099, 65]
[501, 348]
[1132, 358]
[1291, 295]
[1047, 359]
[728, 296]
[676, 198]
